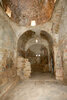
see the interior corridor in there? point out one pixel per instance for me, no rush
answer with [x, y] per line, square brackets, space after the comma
[33, 49]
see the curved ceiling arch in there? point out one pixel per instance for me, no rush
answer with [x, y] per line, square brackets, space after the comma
[48, 37]
[45, 35]
[30, 38]
[36, 50]
[24, 38]
[33, 42]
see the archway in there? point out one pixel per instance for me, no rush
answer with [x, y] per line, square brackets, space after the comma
[22, 42]
[49, 38]
[38, 49]
[38, 57]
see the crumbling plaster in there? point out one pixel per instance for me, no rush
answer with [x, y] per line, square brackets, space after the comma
[7, 51]
[41, 10]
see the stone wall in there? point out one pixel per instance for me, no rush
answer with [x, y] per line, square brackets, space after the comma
[63, 39]
[7, 51]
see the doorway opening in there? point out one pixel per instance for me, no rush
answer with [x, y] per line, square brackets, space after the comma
[39, 52]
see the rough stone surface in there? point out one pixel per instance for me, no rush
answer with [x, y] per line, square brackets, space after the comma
[38, 88]
[56, 28]
[7, 48]
[24, 11]
[23, 68]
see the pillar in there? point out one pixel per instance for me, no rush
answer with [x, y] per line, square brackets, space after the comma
[58, 68]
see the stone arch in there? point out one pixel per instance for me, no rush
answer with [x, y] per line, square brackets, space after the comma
[23, 40]
[45, 35]
[39, 58]
[29, 37]
[33, 41]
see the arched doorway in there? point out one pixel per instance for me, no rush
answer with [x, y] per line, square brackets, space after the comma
[38, 57]
[38, 49]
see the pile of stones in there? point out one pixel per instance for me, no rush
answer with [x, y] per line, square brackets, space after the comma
[27, 69]
[23, 68]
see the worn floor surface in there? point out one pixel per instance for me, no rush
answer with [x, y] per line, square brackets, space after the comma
[38, 87]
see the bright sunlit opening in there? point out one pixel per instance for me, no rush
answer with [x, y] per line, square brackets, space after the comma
[54, 1]
[36, 41]
[36, 55]
[39, 55]
[33, 23]
[8, 12]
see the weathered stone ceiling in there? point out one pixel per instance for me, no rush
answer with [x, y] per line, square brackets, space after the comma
[24, 11]
[29, 38]
[33, 42]
[37, 48]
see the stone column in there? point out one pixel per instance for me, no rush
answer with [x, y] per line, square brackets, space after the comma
[58, 69]
[58, 64]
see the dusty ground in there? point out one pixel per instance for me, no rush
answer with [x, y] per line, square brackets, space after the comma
[38, 87]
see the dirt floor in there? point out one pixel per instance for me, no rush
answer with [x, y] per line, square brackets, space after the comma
[40, 86]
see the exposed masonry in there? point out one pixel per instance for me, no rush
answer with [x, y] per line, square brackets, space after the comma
[23, 12]
[10, 34]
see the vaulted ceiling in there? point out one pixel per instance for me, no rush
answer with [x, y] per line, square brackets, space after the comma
[24, 11]
[29, 40]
